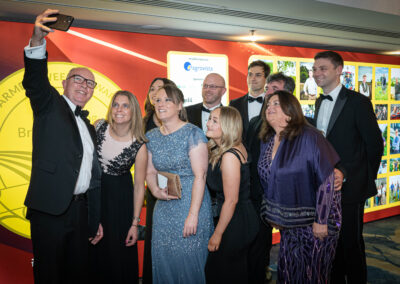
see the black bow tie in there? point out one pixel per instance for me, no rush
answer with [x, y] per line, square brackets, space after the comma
[205, 109]
[326, 97]
[252, 99]
[80, 112]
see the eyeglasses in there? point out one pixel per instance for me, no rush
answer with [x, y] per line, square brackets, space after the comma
[212, 87]
[79, 80]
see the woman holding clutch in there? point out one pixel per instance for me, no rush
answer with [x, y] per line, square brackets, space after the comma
[150, 121]
[181, 227]
[229, 177]
[120, 144]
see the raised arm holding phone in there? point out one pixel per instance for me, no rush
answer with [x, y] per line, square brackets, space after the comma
[63, 197]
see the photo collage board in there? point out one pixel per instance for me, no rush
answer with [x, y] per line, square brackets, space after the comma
[381, 84]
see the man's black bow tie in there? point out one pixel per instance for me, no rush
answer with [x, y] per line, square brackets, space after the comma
[326, 97]
[252, 99]
[80, 112]
[205, 109]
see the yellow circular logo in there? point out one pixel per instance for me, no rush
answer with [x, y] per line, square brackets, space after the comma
[16, 121]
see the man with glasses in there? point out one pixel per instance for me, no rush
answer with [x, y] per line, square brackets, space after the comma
[250, 104]
[63, 198]
[212, 92]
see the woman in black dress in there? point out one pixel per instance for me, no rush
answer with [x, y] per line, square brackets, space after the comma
[150, 121]
[120, 144]
[229, 176]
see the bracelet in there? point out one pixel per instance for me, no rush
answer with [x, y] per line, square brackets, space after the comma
[134, 225]
[136, 218]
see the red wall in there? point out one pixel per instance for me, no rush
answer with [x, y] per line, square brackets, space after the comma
[135, 74]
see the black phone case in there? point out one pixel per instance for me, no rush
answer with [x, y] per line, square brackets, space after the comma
[63, 22]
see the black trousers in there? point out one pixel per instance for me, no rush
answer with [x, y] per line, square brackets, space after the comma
[349, 264]
[259, 254]
[60, 244]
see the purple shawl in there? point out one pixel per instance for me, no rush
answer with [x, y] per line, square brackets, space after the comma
[299, 167]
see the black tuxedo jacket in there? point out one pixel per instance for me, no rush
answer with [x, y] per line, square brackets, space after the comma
[241, 104]
[354, 133]
[194, 114]
[253, 148]
[57, 149]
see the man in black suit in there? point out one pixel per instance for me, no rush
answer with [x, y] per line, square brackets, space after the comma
[212, 92]
[258, 258]
[250, 104]
[348, 121]
[63, 197]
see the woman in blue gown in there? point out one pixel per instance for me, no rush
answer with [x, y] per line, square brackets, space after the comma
[181, 227]
[150, 121]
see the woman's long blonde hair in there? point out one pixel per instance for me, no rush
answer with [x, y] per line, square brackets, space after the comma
[232, 128]
[136, 123]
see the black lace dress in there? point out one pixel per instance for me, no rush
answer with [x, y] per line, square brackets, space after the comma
[115, 262]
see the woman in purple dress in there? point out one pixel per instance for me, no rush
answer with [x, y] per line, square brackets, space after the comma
[296, 169]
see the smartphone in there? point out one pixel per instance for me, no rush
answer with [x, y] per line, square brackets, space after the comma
[63, 22]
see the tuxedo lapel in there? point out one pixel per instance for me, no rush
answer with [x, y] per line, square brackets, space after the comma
[91, 130]
[317, 107]
[197, 116]
[245, 107]
[70, 113]
[337, 109]
[72, 116]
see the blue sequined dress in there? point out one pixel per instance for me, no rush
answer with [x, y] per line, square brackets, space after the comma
[176, 259]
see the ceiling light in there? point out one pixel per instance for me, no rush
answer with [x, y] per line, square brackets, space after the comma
[253, 38]
[395, 52]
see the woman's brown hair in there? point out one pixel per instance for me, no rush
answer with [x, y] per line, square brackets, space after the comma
[291, 107]
[176, 95]
[148, 107]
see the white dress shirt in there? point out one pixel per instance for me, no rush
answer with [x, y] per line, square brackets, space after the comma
[85, 172]
[326, 108]
[254, 108]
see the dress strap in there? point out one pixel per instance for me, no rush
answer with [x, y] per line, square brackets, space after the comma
[99, 124]
[236, 152]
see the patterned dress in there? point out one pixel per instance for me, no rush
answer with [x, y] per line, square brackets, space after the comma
[115, 262]
[302, 257]
[177, 259]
